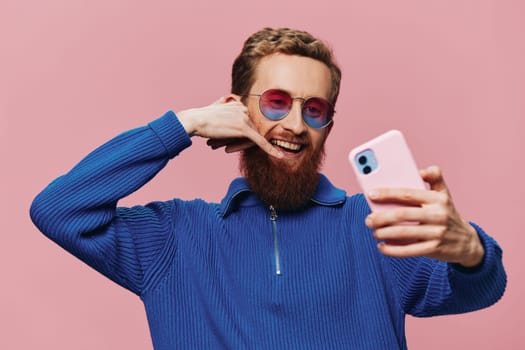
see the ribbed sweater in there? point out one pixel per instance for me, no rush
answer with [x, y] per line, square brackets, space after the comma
[231, 275]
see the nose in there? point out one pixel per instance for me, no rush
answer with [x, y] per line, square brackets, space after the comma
[293, 122]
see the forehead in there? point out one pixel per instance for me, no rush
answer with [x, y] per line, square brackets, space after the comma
[300, 76]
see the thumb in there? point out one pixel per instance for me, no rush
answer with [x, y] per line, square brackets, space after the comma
[434, 177]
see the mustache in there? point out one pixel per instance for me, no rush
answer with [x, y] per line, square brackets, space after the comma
[303, 138]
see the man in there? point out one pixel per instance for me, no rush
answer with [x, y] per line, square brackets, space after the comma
[286, 260]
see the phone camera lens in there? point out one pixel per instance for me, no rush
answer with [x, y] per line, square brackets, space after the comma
[367, 170]
[362, 160]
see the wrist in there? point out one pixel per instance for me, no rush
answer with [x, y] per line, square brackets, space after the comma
[188, 120]
[475, 252]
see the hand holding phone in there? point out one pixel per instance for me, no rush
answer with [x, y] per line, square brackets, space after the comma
[385, 161]
[430, 225]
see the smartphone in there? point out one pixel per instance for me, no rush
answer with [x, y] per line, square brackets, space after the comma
[385, 161]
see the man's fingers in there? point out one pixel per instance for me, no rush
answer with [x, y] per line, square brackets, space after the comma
[407, 196]
[410, 232]
[239, 146]
[434, 177]
[433, 215]
[231, 144]
[415, 249]
[230, 124]
[218, 143]
[266, 146]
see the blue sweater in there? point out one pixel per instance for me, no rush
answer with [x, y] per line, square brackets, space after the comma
[231, 275]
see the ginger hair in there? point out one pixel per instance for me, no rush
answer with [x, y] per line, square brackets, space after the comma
[282, 40]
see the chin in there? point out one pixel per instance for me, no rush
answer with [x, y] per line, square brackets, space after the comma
[288, 165]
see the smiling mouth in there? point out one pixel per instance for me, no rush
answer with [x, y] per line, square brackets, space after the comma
[287, 146]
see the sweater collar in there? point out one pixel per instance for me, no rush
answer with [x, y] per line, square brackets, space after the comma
[239, 193]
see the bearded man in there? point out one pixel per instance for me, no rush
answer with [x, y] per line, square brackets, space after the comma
[286, 260]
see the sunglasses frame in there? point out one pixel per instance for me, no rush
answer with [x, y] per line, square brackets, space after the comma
[331, 110]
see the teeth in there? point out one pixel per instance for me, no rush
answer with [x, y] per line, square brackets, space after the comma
[287, 145]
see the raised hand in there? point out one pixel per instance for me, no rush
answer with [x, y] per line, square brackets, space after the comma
[226, 124]
[441, 232]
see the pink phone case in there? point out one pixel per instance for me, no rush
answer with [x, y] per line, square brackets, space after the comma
[395, 166]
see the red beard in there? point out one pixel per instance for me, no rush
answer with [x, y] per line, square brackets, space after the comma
[276, 183]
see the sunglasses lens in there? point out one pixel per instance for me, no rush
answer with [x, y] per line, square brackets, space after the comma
[317, 112]
[275, 104]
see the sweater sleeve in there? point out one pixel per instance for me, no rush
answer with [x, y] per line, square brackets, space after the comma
[430, 287]
[79, 209]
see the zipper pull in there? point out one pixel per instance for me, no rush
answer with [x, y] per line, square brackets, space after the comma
[273, 213]
[273, 218]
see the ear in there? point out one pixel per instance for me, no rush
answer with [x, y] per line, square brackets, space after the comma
[329, 129]
[232, 97]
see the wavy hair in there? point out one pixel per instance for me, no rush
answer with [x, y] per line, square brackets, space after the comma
[282, 40]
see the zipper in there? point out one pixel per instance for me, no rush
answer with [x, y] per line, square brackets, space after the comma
[273, 218]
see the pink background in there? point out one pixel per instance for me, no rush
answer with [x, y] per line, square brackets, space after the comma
[74, 73]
